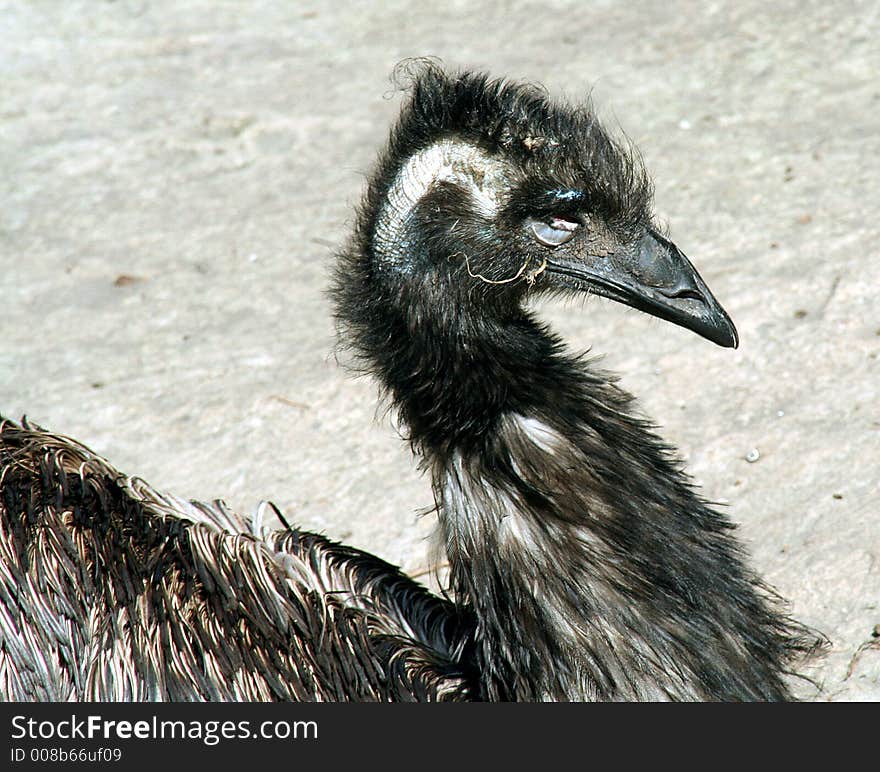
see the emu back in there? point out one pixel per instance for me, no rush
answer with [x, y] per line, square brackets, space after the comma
[111, 590]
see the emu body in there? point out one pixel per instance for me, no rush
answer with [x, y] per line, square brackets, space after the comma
[583, 565]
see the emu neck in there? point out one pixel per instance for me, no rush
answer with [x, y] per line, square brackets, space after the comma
[593, 570]
[454, 377]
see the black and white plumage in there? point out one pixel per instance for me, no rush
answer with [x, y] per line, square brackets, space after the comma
[583, 566]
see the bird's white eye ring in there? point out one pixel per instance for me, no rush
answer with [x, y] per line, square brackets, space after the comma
[555, 232]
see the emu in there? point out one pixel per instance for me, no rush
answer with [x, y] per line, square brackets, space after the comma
[583, 564]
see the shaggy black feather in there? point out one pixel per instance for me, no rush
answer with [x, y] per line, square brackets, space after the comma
[593, 568]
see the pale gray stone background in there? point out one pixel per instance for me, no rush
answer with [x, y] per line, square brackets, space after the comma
[175, 176]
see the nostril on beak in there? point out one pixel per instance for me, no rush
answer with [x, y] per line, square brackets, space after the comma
[683, 293]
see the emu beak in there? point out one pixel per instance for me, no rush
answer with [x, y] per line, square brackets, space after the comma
[655, 277]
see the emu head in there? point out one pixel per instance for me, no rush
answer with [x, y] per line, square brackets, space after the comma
[489, 192]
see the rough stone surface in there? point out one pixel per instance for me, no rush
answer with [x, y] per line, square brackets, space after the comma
[175, 177]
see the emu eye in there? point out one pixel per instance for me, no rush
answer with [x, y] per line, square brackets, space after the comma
[554, 233]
